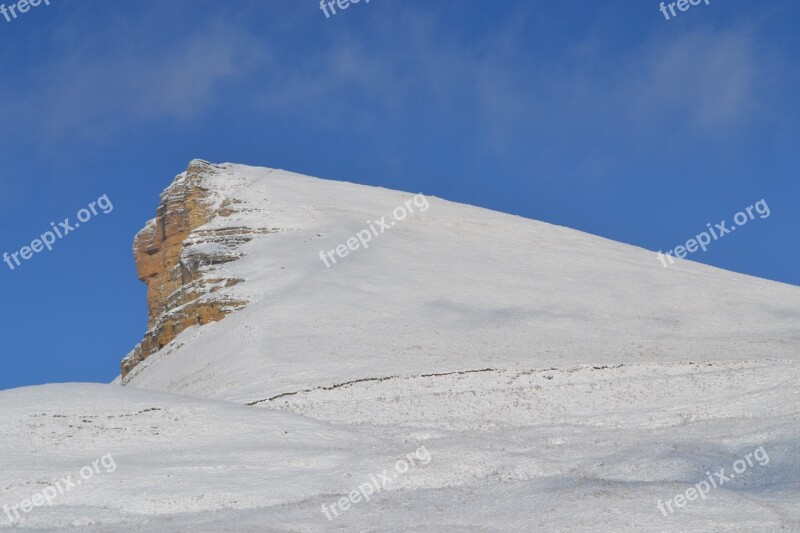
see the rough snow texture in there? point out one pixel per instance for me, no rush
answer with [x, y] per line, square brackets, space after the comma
[560, 381]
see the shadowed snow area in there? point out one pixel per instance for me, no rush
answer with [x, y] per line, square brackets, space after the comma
[557, 381]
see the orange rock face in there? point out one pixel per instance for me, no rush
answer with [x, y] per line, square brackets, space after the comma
[176, 261]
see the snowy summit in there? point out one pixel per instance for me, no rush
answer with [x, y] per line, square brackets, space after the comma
[458, 370]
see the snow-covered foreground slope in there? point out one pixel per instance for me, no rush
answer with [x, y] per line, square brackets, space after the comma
[478, 371]
[590, 449]
[451, 287]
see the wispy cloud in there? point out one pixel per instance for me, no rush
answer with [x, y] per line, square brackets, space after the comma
[708, 81]
[90, 93]
[711, 80]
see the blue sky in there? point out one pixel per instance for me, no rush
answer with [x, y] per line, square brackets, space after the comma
[600, 116]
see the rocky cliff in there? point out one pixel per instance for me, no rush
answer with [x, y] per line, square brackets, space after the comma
[178, 254]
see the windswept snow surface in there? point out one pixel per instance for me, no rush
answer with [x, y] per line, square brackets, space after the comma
[452, 288]
[577, 450]
[557, 381]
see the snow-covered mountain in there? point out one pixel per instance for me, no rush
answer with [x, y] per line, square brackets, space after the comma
[449, 288]
[308, 337]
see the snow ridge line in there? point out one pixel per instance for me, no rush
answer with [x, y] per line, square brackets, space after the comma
[433, 375]
[362, 380]
[521, 372]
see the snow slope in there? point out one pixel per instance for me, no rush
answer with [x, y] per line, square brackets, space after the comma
[578, 450]
[558, 381]
[452, 288]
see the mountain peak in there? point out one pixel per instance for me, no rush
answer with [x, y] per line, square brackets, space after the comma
[475, 289]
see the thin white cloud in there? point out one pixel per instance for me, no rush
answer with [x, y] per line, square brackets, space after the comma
[710, 80]
[92, 92]
[707, 82]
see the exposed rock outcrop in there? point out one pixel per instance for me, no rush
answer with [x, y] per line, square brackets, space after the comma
[178, 254]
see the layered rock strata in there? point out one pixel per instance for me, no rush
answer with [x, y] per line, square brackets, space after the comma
[178, 254]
